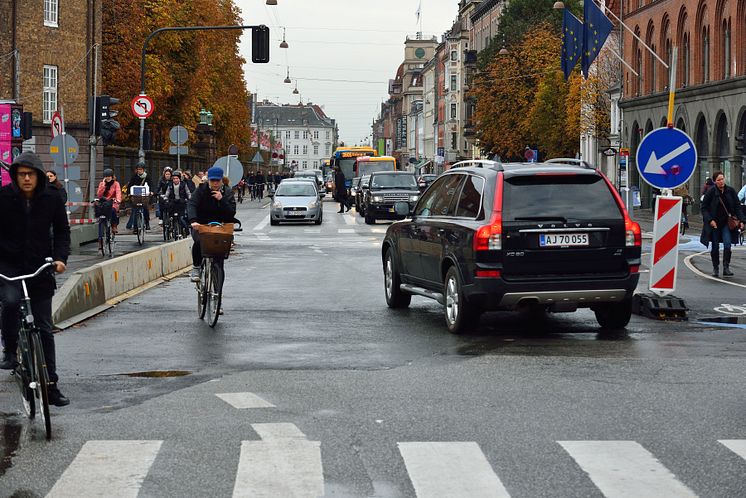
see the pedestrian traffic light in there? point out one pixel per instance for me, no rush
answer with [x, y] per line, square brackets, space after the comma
[107, 126]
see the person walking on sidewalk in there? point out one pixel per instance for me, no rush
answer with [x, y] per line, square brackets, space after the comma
[720, 204]
[31, 211]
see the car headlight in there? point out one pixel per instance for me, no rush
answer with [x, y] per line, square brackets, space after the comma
[276, 205]
[413, 198]
[313, 204]
[377, 198]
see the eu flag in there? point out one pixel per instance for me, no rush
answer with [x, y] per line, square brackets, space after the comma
[572, 30]
[597, 29]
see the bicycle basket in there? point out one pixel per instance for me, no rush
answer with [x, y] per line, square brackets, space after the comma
[216, 241]
[103, 208]
[140, 199]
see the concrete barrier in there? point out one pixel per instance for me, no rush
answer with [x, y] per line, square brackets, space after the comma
[88, 291]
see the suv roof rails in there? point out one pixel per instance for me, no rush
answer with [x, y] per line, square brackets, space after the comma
[479, 163]
[569, 161]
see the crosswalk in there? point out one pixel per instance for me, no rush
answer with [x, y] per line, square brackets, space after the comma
[283, 462]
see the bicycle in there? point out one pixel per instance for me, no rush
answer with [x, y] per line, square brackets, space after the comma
[139, 203]
[216, 240]
[177, 225]
[240, 191]
[31, 371]
[103, 209]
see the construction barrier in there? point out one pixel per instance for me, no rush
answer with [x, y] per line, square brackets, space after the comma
[89, 291]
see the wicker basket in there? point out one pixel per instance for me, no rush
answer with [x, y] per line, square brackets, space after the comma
[216, 240]
[140, 199]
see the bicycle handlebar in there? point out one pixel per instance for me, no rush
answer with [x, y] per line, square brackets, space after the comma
[38, 272]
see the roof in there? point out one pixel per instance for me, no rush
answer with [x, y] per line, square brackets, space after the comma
[292, 115]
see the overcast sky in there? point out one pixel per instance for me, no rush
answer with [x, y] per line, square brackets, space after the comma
[325, 35]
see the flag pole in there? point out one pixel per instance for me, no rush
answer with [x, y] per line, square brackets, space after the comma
[672, 86]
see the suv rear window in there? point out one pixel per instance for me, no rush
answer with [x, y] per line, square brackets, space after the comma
[574, 197]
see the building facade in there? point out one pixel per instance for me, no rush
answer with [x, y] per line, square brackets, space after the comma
[308, 135]
[710, 81]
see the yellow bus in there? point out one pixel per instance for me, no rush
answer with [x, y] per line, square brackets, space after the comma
[345, 157]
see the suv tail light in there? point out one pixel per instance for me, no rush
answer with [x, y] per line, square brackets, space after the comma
[489, 237]
[633, 234]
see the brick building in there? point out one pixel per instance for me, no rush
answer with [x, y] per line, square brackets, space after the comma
[47, 64]
[710, 80]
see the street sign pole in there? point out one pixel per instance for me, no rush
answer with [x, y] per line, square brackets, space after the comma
[64, 159]
[672, 87]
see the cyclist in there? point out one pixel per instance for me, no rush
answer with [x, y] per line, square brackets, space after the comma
[30, 211]
[110, 190]
[212, 201]
[162, 186]
[176, 197]
[140, 178]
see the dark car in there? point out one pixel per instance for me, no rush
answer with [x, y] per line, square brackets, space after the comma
[492, 236]
[358, 191]
[425, 180]
[385, 189]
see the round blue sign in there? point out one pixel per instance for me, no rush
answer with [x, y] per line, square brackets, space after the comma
[666, 158]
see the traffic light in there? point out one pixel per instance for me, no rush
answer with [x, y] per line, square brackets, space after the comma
[741, 144]
[260, 44]
[106, 126]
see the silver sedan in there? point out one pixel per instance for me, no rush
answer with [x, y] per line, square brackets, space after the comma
[296, 201]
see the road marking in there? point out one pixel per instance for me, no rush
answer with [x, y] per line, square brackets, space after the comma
[695, 270]
[244, 401]
[624, 469]
[261, 224]
[107, 468]
[346, 230]
[737, 446]
[439, 469]
[350, 220]
[284, 464]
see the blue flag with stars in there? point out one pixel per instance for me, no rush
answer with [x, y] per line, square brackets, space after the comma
[597, 28]
[572, 31]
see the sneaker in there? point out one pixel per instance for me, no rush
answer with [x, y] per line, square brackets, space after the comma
[56, 398]
[194, 274]
[9, 361]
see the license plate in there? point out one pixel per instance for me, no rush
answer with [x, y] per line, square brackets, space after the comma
[295, 213]
[392, 210]
[563, 239]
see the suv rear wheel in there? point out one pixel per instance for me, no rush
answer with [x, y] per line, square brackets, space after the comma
[460, 315]
[395, 298]
[614, 316]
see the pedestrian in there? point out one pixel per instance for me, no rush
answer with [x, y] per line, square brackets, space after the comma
[189, 181]
[742, 195]
[722, 216]
[110, 190]
[198, 178]
[139, 179]
[340, 190]
[57, 185]
[708, 185]
[31, 211]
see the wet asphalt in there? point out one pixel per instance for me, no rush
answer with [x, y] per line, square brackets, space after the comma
[306, 328]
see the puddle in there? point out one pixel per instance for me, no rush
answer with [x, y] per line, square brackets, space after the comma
[158, 373]
[10, 437]
[724, 321]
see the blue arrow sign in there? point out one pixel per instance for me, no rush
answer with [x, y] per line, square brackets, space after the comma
[666, 158]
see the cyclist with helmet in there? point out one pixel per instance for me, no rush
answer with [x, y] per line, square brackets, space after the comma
[177, 196]
[212, 201]
[110, 190]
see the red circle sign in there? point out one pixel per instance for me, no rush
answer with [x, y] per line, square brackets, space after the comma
[142, 106]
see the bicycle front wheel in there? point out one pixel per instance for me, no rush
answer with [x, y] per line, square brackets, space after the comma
[214, 294]
[101, 225]
[140, 226]
[22, 373]
[109, 239]
[42, 382]
[202, 290]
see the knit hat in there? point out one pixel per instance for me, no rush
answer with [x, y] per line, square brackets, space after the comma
[215, 173]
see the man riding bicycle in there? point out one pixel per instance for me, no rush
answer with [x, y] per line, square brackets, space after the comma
[176, 198]
[30, 210]
[212, 201]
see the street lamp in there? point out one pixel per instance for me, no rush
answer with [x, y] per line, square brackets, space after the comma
[283, 44]
[271, 2]
[287, 78]
[559, 5]
[208, 118]
[202, 116]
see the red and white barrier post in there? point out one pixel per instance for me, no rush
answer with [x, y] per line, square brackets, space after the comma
[665, 253]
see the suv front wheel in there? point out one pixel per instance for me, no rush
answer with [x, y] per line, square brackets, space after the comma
[614, 316]
[460, 315]
[395, 298]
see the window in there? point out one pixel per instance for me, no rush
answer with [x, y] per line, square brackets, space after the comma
[726, 49]
[316, 135]
[470, 202]
[51, 13]
[296, 149]
[453, 111]
[639, 72]
[439, 198]
[305, 164]
[705, 56]
[454, 141]
[453, 82]
[316, 150]
[287, 135]
[328, 134]
[315, 164]
[297, 134]
[328, 149]
[685, 79]
[454, 55]
[305, 135]
[50, 93]
[305, 149]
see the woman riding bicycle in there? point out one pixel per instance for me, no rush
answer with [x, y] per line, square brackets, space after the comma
[212, 201]
[110, 190]
[176, 197]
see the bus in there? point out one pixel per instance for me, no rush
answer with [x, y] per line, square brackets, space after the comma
[365, 165]
[344, 157]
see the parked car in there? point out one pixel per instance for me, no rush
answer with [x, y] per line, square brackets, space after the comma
[296, 200]
[384, 189]
[424, 181]
[493, 236]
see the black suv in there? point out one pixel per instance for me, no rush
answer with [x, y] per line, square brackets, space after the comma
[493, 236]
[385, 189]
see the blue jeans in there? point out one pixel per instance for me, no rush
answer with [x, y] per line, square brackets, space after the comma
[720, 234]
[131, 221]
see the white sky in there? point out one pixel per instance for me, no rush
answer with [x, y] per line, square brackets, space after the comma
[324, 35]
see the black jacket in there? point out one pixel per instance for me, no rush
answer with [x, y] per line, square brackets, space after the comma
[25, 234]
[137, 181]
[60, 191]
[184, 195]
[203, 208]
[710, 204]
[339, 184]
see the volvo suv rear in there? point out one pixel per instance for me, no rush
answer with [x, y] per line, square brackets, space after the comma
[492, 236]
